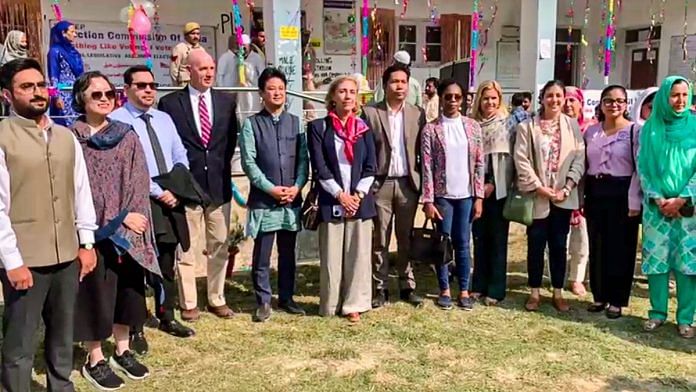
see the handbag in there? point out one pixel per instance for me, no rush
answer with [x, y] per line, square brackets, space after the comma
[519, 206]
[310, 208]
[429, 246]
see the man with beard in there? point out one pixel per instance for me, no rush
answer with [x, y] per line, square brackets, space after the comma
[46, 236]
[258, 43]
[177, 69]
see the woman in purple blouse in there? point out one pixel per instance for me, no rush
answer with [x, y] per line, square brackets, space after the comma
[612, 202]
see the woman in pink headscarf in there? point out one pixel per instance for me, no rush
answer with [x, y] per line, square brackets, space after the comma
[578, 247]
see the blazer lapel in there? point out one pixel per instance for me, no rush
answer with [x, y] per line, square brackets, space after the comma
[187, 109]
[330, 146]
[411, 125]
[384, 120]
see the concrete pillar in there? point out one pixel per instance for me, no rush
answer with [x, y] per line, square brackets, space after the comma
[281, 20]
[537, 43]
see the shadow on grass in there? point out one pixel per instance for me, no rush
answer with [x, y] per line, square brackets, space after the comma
[622, 383]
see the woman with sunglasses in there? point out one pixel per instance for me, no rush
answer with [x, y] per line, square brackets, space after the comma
[667, 168]
[453, 184]
[550, 160]
[112, 299]
[612, 202]
[491, 231]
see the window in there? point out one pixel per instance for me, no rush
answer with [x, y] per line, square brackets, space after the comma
[415, 35]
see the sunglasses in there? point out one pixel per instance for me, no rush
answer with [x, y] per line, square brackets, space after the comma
[449, 97]
[609, 101]
[98, 95]
[143, 85]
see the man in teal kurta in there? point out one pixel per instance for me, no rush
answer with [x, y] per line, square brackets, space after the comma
[667, 167]
[275, 158]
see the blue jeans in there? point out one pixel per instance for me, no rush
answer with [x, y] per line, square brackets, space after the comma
[456, 222]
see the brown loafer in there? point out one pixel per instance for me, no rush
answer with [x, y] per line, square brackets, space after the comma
[532, 304]
[190, 314]
[353, 317]
[560, 304]
[686, 331]
[223, 311]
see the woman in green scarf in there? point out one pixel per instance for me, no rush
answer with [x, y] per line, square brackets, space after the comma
[667, 166]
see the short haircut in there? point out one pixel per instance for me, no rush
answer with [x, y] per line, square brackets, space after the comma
[434, 81]
[12, 68]
[527, 95]
[270, 73]
[442, 86]
[394, 68]
[128, 75]
[517, 99]
[81, 85]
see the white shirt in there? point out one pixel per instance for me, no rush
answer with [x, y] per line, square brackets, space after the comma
[195, 95]
[346, 169]
[456, 159]
[85, 217]
[398, 164]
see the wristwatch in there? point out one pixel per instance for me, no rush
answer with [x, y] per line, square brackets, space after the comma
[566, 191]
[361, 195]
[87, 246]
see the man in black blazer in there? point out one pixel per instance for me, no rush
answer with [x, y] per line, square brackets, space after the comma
[207, 124]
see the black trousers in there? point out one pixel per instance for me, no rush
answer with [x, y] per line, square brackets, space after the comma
[613, 239]
[51, 298]
[261, 265]
[165, 286]
[552, 230]
[490, 234]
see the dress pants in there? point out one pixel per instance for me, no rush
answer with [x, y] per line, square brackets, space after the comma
[552, 230]
[396, 203]
[51, 298]
[579, 251]
[344, 267]
[261, 265]
[490, 250]
[165, 286]
[209, 229]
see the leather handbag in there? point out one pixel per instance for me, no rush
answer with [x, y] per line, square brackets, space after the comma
[519, 206]
[310, 208]
[429, 246]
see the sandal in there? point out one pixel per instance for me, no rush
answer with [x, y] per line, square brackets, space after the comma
[652, 324]
[613, 314]
[488, 301]
[686, 331]
[596, 307]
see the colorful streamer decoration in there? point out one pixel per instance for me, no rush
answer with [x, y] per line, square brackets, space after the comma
[131, 32]
[240, 43]
[571, 21]
[156, 18]
[57, 12]
[484, 36]
[353, 40]
[685, 51]
[404, 8]
[609, 41]
[146, 50]
[583, 41]
[474, 43]
[365, 37]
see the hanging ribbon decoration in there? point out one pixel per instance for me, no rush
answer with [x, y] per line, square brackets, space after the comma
[131, 33]
[353, 39]
[240, 43]
[250, 5]
[404, 8]
[474, 43]
[685, 51]
[156, 18]
[609, 41]
[146, 50]
[57, 12]
[377, 31]
[484, 36]
[365, 37]
[653, 21]
[569, 47]
[583, 41]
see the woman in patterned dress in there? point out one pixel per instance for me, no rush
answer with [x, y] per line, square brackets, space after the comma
[64, 67]
[667, 168]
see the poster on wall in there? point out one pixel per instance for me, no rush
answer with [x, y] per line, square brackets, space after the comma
[507, 66]
[105, 47]
[338, 15]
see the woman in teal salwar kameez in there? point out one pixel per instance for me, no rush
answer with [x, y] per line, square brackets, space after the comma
[667, 168]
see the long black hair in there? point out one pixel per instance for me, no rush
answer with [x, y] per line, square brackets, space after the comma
[547, 86]
[600, 114]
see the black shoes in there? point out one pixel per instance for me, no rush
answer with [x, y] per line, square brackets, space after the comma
[101, 376]
[175, 328]
[380, 299]
[138, 342]
[262, 313]
[411, 297]
[291, 307]
[130, 366]
[597, 307]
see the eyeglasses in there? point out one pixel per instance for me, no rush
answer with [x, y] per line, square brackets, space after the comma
[31, 87]
[98, 95]
[610, 101]
[143, 85]
[449, 97]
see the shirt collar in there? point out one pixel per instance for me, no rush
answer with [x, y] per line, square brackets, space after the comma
[398, 111]
[195, 93]
[135, 112]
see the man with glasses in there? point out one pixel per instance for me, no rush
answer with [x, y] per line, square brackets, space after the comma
[163, 149]
[47, 224]
[178, 70]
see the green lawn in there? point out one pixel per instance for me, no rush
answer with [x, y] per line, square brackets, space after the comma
[400, 348]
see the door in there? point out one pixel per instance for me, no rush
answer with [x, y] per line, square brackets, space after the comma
[643, 71]
[564, 66]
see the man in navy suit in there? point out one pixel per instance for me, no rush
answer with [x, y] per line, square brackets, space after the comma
[207, 124]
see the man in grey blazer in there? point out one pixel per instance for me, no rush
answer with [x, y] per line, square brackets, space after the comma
[396, 125]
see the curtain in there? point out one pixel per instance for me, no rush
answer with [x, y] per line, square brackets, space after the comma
[453, 23]
[23, 15]
[382, 31]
